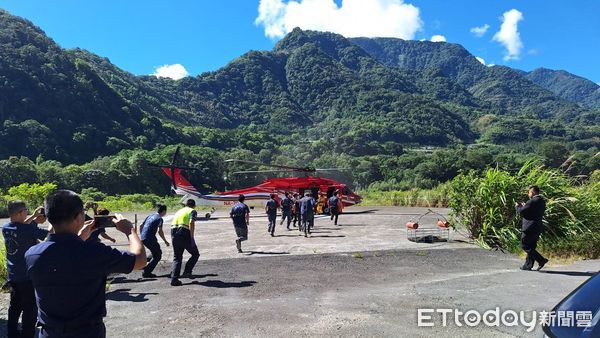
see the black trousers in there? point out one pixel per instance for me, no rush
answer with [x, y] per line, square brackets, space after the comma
[76, 331]
[297, 218]
[334, 215]
[286, 215]
[22, 301]
[308, 221]
[272, 222]
[154, 247]
[181, 240]
[529, 244]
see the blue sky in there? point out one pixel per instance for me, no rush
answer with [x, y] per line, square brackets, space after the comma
[203, 35]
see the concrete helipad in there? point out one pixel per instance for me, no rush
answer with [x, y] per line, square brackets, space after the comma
[360, 229]
[363, 278]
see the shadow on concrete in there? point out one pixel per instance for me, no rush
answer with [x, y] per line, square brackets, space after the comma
[351, 225]
[569, 273]
[249, 253]
[223, 285]
[328, 236]
[198, 276]
[125, 280]
[371, 211]
[124, 295]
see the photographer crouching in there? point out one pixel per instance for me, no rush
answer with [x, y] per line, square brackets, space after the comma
[68, 272]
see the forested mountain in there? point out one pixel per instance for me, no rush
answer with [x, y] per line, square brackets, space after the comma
[55, 105]
[567, 85]
[502, 88]
[316, 98]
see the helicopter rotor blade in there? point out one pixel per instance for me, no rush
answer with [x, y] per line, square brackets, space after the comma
[333, 169]
[307, 169]
[262, 171]
[175, 155]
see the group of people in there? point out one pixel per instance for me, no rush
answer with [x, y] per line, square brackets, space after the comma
[299, 210]
[58, 275]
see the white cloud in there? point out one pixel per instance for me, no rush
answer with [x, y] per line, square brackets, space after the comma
[175, 72]
[373, 18]
[480, 31]
[438, 38]
[491, 65]
[480, 60]
[509, 36]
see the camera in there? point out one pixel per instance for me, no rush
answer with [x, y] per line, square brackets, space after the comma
[104, 221]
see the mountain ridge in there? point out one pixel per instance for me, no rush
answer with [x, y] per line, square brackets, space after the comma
[73, 105]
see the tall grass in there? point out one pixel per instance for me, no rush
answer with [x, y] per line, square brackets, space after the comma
[3, 271]
[485, 205]
[436, 197]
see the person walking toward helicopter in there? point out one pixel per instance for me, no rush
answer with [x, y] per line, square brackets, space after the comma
[296, 210]
[307, 210]
[271, 211]
[286, 209]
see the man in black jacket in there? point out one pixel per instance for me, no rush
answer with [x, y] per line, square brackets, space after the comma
[532, 213]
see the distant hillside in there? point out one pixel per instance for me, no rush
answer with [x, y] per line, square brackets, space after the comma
[358, 97]
[501, 87]
[567, 85]
[55, 105]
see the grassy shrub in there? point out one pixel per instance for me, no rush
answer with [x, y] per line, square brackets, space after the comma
[436, 197]
[485, 205]
[32, 194]
[138, 202]
[3, 272]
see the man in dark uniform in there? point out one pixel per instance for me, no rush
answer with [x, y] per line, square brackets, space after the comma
[307, 210]
[151, 225]
[271, 210]
[286, 209]
[532, 226]
[182, 237]
[296, 210]
[20, 234]
[240, 214]
[68, 273]
[334, 211]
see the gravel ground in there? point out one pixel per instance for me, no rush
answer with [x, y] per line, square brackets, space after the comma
[363, 278]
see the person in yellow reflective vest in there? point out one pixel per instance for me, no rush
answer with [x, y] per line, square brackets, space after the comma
[182, 238]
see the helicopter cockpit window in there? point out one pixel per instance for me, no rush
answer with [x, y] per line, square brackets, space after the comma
[346, 191]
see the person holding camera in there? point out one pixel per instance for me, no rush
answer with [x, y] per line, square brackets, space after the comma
[532, 226]
[20, 234]
[68, 272]
[151, 225]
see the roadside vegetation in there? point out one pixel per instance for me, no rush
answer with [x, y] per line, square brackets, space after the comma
[484, 204]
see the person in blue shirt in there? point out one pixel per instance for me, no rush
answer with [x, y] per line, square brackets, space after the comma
[334, 210]
[307, 210]
[153, 224]
[240, 214]
[271, 211]
[286, 209]
[68, 272]
[20, 234]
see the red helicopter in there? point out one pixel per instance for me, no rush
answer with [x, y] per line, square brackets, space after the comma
[259, 194]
